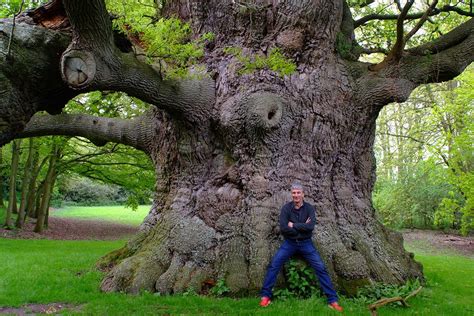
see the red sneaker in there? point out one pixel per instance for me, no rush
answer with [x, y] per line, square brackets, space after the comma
[335, 306]
[265, 301]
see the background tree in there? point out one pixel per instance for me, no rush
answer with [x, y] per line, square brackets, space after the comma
[453, 113]
[284, 98]
[2, 174]
[420, 141]
[113, 164]
[33, 188]
[25, 183]
[12, 185]
[47, 188]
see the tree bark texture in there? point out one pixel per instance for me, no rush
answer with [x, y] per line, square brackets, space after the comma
[36, 51]
[219, 192]
[226, 150]
[137, 133]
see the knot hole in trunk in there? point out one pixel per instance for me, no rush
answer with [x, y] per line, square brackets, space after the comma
[265, 110]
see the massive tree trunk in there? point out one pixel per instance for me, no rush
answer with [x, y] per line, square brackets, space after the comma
[226, 150]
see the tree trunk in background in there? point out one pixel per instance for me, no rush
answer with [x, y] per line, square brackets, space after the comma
[33, 190]
[53, 181]
[385, 169]
[25, 183]
[12, 185]
[38, 199]
[2, 204]
[47, 190]
[15, 205]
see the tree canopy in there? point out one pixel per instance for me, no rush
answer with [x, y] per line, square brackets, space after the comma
[409, 32]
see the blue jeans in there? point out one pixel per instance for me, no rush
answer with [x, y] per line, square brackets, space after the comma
[311, 255]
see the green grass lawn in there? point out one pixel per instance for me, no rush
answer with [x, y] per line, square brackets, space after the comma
[47, 271]
[114, 213]
[52, 271]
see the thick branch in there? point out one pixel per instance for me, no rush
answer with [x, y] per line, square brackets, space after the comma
[92, 62]
[191, 99]
[90, 23]
[395, 81]
[29, 78]
[441, 60]
[347, 30]
[454, 37]
[378, 92]
[446, 8]
[397, 49]
[137, 132]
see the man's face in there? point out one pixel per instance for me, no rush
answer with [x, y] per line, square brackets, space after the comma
[297, 195]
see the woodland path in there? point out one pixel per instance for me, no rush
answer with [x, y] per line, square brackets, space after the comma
[73, 229]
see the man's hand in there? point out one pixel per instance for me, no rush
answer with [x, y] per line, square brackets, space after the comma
[308, 220]
[290, 224]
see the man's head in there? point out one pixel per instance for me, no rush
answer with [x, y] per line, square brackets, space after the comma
[297, 193]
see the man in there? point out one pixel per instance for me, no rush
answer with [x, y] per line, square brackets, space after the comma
[297, 220]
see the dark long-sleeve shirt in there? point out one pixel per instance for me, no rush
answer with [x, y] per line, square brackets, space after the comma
[300, 230]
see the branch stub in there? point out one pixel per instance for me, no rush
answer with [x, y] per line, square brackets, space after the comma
[264, 110]
[78, 68]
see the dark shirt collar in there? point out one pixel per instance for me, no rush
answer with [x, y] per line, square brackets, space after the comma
[294, 206]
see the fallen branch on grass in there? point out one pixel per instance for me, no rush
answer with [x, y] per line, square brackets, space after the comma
[373, 307]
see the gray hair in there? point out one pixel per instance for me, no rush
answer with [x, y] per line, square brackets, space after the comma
[296, 186]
